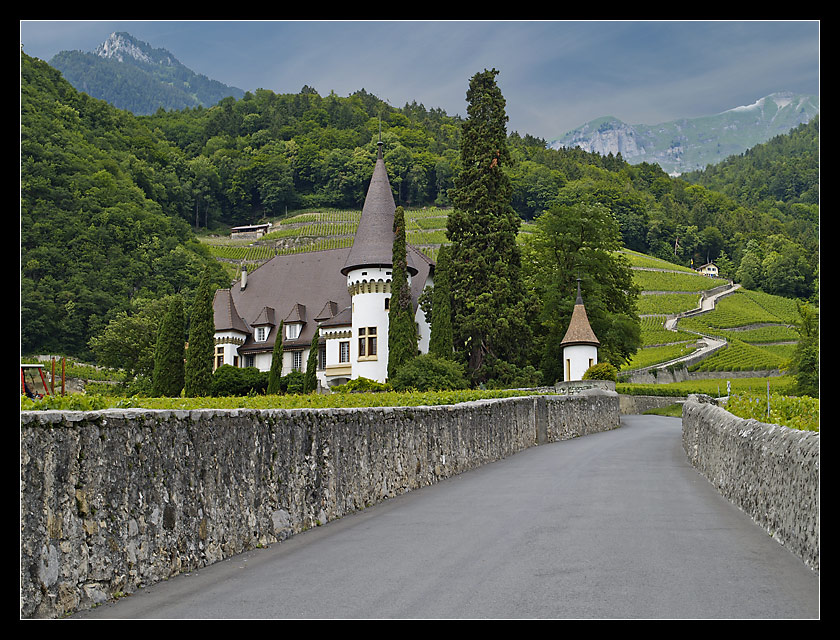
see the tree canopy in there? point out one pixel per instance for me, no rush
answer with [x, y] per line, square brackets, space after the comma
[582, 241]
[488, 298]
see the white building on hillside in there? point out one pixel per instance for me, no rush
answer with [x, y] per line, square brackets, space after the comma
[345, 293]
[709, 269]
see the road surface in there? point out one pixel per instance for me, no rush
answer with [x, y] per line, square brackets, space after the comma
[614, 525]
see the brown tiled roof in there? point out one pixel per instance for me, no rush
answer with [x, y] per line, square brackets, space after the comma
[341, 319]
[225, 315]
[266, 317]
[579, 331]
[307, 279]
[297, 314]
[330, 309]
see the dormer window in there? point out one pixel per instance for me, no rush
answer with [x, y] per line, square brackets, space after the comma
[261, 334]
[292, 331]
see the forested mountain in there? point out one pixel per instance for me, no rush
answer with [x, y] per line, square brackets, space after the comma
[108, 198]
[783, 171]
[100, 227]
[132, 75]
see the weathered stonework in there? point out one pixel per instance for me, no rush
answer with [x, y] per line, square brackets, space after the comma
[115, 500]
[770, 472]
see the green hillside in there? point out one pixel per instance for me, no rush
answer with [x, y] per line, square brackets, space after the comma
[759, 327]
[120, 211]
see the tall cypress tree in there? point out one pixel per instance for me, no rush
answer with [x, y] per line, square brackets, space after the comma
[168, 374]
[488, 297]
[440, 343]
[198, 373]
[310, 379]
[402, 330]
[275, 371]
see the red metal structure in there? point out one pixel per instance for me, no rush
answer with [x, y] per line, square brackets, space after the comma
[28, 388]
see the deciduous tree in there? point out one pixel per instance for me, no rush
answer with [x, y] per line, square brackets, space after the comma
[582, 241]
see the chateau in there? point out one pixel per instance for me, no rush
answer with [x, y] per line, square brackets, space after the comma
[343, 293]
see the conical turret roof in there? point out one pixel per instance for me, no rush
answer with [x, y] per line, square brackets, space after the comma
[579, 331]
[373, 244]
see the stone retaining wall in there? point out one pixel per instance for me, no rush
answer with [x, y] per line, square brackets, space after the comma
[635, 405]
[770, 472]
[115, 500]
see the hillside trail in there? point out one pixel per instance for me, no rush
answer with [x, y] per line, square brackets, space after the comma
[708, 344]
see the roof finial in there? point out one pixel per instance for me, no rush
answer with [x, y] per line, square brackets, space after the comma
[379, 144]
[579, 299]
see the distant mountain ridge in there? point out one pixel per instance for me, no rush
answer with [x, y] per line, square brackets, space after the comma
[689, 144]
[132, 75]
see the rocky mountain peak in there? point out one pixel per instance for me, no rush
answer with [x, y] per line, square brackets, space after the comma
[126, 48]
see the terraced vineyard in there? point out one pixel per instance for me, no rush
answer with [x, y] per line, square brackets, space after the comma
[758, 327]
[642, 261]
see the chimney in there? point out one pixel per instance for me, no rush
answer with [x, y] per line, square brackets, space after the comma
[244, 278]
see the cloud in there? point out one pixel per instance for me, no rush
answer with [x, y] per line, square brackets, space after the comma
[555, 75]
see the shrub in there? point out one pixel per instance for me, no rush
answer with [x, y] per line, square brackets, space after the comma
[234, 381]
[500, 374]
[601, 371]
[427, 372]
[362, 385]
[292, 382]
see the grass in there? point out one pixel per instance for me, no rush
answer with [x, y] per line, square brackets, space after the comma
[714, 387]
[672, 411]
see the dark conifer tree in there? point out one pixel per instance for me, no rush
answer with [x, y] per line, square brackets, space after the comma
[168, 374]
[488, 297]
[275, 371]
[440, 343]
[402, 330]
[310, 380]
[198, 373]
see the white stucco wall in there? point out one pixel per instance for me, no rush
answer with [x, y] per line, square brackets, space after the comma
[577, 359]
[369, 311]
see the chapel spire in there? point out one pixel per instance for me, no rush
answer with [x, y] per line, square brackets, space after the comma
[579, 331]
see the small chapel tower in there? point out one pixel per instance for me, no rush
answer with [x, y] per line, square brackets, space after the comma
[368, 270]
[580, 346]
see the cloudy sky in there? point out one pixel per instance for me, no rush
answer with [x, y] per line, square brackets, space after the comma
[555, 75]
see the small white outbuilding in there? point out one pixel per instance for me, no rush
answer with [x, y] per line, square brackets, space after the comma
[580, 346]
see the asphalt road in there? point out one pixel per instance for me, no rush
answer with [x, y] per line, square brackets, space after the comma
[614, 525]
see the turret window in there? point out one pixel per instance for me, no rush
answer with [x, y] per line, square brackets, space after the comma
[367, 343]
